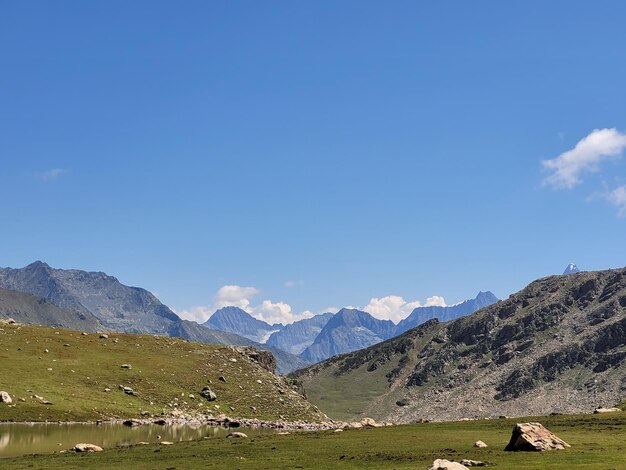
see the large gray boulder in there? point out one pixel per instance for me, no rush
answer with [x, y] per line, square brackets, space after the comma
[534, 437]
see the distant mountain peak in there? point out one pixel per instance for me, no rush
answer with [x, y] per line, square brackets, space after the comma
[571, 269]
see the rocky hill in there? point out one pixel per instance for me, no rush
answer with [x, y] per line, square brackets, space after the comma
[119, 307]
[57, 374]
[557, 346]
[29, 309]
[348, 330]
[452, 312]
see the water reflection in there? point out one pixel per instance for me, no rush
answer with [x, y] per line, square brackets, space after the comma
[20, 439]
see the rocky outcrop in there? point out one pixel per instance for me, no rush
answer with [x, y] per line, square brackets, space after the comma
[264, 358]
[534, 437]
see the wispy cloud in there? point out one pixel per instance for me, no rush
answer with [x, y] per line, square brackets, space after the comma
[617, 197]
[569, 167]
[51, 174]
[297, 283]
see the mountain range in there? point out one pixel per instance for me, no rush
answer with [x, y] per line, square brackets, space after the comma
[322, 336]
[557, 346]
[102, 298]
[423, 314]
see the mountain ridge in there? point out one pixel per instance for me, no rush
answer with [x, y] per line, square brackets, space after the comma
[558, 345]
[121, 308]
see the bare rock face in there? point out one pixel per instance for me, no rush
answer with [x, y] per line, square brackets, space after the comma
[534, 437]
[5, 398]
[264, 358]
[442, 464]
[87, 448]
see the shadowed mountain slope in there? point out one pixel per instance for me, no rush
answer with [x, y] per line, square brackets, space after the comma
[29, 309]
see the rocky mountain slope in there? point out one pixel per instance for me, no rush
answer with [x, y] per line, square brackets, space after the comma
[557, 346]
[238, 321]
[348, 330]
[29, 309]
[423, 314]
[57, 374]
[119, 307]
[297, 336]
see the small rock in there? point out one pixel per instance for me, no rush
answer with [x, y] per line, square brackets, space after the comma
[237, 434]
[5, 398]
[222, 379]
[534, 437]
[126, 366]
[132, 422]
[87, 448]
[232, 359]
[104, 336]
[480, 444]
[208, 393]
[606, 410]
[369, 423]
[338, 430]
[166, 443]
[473, 463]
[442, 464]
[402, 402]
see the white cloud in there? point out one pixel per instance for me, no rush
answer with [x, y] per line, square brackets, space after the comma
[395, 308]
[435, 301]
[617, 197]
[568, 168]
[49, 175]
[278, 312]
[299, 282]
[237, 296]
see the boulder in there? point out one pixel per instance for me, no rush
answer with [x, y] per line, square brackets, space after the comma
[442, 464]
[480, 444]
[534, 437]
[607, 410]
[87, 448]
[237, 434]
[208, 393]
[5, 398]
[126, 366]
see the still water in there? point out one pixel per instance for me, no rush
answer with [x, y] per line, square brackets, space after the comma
[21, 439]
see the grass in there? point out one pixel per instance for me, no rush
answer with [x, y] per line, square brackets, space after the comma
[73, 371]
[598, 442]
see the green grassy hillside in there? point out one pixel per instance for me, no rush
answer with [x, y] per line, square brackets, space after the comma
[81, 375]
[597, 443]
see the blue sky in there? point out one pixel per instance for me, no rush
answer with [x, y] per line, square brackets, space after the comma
[317, 154]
